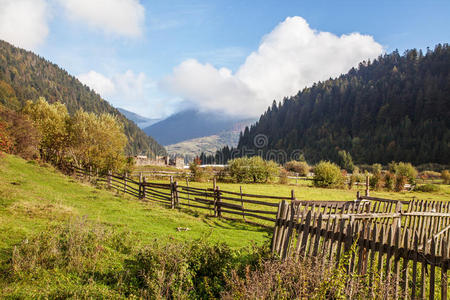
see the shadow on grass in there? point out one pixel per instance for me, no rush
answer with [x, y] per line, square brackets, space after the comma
[225, 223]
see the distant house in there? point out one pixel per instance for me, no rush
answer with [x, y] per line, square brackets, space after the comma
[163, 161]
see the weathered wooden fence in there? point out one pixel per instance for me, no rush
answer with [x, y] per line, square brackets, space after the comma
[251, 208]
[411, 249]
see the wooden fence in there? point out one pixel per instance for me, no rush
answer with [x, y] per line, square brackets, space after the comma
[409, 248]
[251, 208]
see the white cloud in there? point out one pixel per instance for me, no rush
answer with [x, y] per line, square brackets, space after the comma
[130, 90]
[24, 22]
[98, 82]
[122, 17]
[288, 59]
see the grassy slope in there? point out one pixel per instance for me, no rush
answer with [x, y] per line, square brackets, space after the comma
[33, 197]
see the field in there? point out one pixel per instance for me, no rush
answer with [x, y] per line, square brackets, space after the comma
[33, 197]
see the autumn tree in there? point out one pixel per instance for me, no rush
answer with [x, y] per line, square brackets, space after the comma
[51, 120]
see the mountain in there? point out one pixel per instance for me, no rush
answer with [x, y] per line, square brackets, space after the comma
[191, 124]
[27, 76]
[396, 108]
[140, 121]
[208, 144]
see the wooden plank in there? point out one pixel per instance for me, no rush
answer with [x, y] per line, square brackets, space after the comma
[305, 234]
[280, 226]
[317, 235]
[276, 227]
[289, 231]
[389, 244]
[339, 241]
[444, 270]
[432, 268]
[405, 260]
[414, 266]
[284, 228]
[424, 271]
[257, 196]
[250, 201]
[374, 235]
[397, 237]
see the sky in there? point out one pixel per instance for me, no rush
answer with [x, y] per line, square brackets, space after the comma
[159, 57]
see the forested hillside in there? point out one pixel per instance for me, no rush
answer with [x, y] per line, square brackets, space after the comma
[26, 76]
[396, 107]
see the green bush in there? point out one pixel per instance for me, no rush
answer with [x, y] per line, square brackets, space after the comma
[327, 174]
[300, 167]
[427, 188]
[253, 169]
[402, 169]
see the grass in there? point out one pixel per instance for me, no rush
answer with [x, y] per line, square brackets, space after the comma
[33, 197]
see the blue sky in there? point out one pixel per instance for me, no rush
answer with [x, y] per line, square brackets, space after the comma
[156, 57]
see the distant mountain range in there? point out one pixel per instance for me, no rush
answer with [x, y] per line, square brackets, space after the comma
[191, 124]
[141, 122]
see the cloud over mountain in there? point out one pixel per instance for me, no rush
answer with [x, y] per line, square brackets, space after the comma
[288, 59]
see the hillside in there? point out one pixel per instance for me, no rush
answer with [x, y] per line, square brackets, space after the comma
[40, 205]
[208, 144]
[396, 107]
[26, 76]
[191, 124]
[141, 122]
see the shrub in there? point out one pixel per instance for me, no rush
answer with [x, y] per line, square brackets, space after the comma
[400, 182]
[300, 167]
[445, 175]
[402, 169]
[327, 174]
[427, 188]
[429, 174]
[180, 270]
[253, 169]
[389, 180]
[198, 174]
[283, 179]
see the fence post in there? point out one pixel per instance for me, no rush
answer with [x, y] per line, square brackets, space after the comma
[242, 203]
[90, 173]
[175, 194]
[219, 208]
[172, 196]
[143, 188]
[109, 178]
[125, 182]
[187, 185]
[367, 186]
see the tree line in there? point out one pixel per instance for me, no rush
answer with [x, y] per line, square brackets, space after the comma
[41, 130]
[395, 108]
